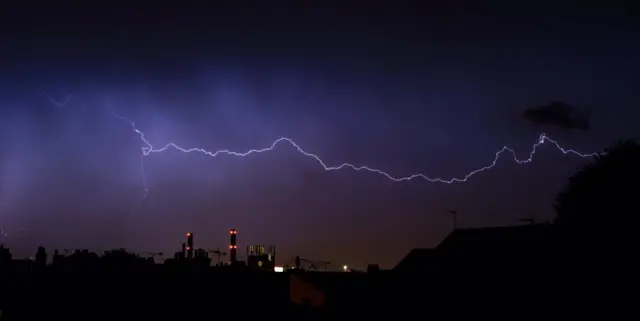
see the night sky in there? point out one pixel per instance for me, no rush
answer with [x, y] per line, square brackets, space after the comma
[426, 87]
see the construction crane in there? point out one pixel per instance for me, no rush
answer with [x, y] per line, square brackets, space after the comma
[152, 254]
[74, 251]
[69, 252]
[217, 253]
[323, 264]
[311, 264]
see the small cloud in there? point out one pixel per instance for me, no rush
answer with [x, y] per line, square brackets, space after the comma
[58, 103]
[559, 114]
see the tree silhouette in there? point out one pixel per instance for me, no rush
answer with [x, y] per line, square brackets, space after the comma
[599, 206]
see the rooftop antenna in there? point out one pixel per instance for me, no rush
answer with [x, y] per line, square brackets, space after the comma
[455, 218]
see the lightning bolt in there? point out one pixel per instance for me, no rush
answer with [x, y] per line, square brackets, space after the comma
[149, 149]
[58, 103]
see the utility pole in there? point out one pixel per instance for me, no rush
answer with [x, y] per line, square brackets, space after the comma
[455, 218]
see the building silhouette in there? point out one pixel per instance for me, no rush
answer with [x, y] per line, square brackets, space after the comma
[260, 257]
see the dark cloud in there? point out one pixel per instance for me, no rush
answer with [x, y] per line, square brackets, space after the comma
[559, 114]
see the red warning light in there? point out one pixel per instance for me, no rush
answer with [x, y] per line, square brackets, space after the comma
[232, 232]
[188, 234]
[188, 248]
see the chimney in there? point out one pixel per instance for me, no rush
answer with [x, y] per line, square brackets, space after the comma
[189, 245]
[233, 246]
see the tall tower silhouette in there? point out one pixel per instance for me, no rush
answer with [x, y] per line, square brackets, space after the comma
[233, 246]
[189, 245]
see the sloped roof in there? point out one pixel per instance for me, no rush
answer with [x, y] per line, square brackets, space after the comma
[494, 237]
[463, 242]
[416, 258]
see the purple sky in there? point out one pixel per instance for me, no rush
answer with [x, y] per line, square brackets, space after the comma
[434, 90]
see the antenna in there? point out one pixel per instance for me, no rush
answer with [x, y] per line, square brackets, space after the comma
[455, 218]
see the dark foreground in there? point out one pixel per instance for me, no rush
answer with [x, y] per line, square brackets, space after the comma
[453, 292]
